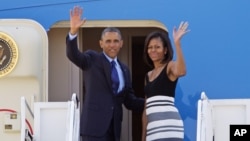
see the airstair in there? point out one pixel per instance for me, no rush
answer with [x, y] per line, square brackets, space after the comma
[53, 121]
[215, 116]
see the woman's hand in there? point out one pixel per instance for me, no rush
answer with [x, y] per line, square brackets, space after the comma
[178, 33]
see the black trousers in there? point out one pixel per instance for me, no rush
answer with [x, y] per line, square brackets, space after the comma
[109, 136]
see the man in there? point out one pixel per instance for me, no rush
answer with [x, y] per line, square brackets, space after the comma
[107, 87]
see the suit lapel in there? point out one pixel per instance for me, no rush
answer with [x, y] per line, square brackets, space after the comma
[107, 69]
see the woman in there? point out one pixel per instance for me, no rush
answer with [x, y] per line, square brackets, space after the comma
[161, 119]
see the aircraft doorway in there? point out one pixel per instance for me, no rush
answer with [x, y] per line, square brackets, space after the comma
[65, 78]
[139, 70]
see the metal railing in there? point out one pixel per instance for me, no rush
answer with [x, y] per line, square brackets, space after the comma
[26, 135]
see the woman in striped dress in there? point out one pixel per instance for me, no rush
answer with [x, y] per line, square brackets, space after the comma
[161, 119]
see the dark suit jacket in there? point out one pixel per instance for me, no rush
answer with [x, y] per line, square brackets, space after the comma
[100, 105]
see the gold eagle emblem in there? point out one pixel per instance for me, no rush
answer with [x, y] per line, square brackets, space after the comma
[2, 58]
[8, 54]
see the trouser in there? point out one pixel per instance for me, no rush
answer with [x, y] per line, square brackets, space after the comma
[109, 136]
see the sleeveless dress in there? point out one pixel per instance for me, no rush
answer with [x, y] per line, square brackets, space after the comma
[164, 121]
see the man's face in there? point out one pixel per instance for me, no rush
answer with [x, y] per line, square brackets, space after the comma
[111, 43]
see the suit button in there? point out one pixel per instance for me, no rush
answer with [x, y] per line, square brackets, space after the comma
[112, 108]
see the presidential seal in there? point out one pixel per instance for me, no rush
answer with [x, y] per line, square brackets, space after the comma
[8, 54]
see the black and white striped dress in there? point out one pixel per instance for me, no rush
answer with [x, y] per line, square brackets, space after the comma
[164, 121]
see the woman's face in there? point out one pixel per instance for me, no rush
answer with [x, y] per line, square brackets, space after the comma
[156, 51]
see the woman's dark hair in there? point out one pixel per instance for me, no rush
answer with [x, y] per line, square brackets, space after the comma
[166, 44]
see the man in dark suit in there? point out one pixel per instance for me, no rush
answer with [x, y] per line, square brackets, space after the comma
[101, 117]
